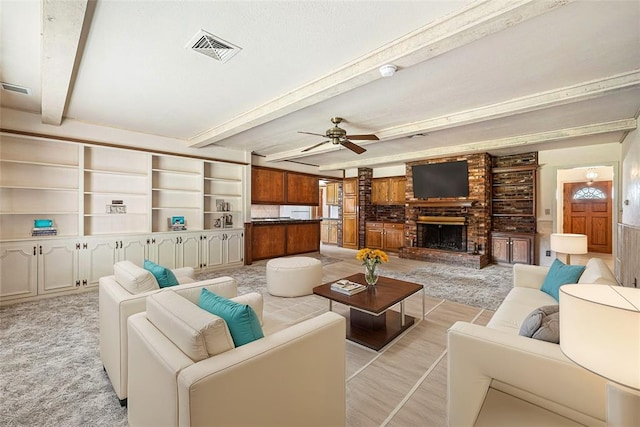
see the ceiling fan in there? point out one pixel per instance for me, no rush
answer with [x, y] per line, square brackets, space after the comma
[338, 136]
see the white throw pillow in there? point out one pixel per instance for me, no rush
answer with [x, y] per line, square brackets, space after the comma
[133, 278]
[196, 332]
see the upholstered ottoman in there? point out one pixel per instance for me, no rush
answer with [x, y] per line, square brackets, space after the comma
[293, 276]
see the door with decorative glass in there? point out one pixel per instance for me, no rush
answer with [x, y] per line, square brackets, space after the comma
[587, 210]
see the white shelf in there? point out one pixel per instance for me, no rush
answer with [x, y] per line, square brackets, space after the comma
[174, 208]
[106, 215]
[48, 164]
[231, 180]
[222, 195]
[175, 190]
[112, 193]
[40, 213]
[19, 187]
[116, 172]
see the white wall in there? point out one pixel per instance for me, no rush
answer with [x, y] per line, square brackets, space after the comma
[630, 194]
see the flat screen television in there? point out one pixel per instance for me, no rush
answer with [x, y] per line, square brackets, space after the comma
[448, 179]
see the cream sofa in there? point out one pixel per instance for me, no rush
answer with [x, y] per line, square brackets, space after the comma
[124, 293]
[184, 369]
[497, 377]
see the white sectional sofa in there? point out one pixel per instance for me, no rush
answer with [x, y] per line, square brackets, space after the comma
[497, 377]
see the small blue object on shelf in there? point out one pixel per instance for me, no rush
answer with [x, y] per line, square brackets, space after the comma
[42, 223]
[177, 220]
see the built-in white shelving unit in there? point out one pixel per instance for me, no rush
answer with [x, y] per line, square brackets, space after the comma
[110, 204]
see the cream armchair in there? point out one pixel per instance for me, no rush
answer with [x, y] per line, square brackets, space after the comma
[184, 372]
[125, 293]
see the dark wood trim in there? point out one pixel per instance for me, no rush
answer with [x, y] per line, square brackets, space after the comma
[111, 145]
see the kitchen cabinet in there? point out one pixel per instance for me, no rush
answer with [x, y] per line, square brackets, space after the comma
[387, 236]
[267, 186]
[273, 186]
[302, 189]
[176, 250]
[288, 238]
[512, 248]
[303, 238]
[268, 241]
[329, 231]
[388, 191]
[332, 193]
[350, 230]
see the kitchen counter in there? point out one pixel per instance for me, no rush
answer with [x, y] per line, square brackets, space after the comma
[282, 220]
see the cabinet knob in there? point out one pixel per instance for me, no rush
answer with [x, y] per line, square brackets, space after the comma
[34, 250]
[77, 246]
[84, 282]
[84, 246]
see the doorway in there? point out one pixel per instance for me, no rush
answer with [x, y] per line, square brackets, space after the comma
[585, 205]
[587, 210]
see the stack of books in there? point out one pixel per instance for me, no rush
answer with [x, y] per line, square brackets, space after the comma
[44, 231]
[346, 287]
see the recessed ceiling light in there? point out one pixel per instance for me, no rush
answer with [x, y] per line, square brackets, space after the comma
[15, 88]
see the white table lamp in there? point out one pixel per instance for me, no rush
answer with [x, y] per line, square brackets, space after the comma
[569, 244]
[600, 331]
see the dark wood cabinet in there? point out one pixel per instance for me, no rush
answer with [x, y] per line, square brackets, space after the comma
[388, 191]
[269, 241]
[512, 248]
[302, 189]
[350, 229]
[275, 240]
[303, 238]
[267, 186]
[278, 187]
[388, 236]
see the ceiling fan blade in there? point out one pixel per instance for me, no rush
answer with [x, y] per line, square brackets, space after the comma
[311, 133]
[353, 147]
[314, 146]
[370, 137]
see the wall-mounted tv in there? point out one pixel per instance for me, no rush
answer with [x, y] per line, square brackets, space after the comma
[448, 179]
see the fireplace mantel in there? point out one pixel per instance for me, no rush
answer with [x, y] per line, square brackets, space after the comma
[441, 203]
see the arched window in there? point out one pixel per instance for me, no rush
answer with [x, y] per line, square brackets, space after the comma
[589, 193]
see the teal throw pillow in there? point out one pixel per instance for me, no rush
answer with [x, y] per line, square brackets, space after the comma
[560, 274]
[164, 276]
[242, 321]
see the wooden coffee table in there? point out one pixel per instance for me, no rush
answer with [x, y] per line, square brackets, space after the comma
[371, 322]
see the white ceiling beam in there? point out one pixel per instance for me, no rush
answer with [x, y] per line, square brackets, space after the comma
[483, 146]
[62, 23]
[553, 98]
[476, 21]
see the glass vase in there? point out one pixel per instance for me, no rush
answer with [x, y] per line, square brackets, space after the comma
[370, 274]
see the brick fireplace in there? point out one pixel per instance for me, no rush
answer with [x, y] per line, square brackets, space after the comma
[457, 228]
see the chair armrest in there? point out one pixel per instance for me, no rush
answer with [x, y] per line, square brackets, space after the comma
[254, 300]
[478, 357]
[225, 286]
[306, 361]
[529, 276]
[183, 272]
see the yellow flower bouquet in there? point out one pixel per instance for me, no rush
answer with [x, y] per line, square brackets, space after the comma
[370, 259]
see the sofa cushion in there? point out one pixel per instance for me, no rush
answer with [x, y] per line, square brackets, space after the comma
[241, 319]
[560, 274]
[196, 332]
[596, 271]
[163, 275]
[516, 306]
[543, 324]
[133, 278]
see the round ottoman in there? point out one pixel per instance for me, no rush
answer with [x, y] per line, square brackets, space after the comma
[293, 276]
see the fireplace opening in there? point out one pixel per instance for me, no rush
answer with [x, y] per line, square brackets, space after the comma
[449, 234]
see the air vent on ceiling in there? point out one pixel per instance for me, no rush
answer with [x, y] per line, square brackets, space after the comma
[215, 47]
[15, 88]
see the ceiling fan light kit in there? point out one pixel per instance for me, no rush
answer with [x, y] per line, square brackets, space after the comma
[388, 70]
[338, 136]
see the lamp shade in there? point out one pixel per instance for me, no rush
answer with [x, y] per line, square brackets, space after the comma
[600, 330]
[569, 243]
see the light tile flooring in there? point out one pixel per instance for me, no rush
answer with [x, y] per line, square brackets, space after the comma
[405, 383]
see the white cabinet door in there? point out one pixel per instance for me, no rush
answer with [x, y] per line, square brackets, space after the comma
[97, 259]
[165, 250]
[189, 249]
[213, 253]
[234, 246]
[134, 249]
[58, 266]
[18, 270]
